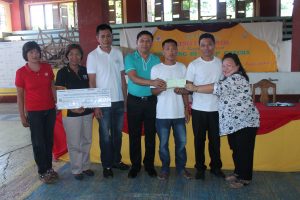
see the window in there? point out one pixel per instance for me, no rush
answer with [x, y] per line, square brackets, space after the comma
[150, 10]
[53, 16]
[244, 8]
[230, 9]
[249, 8]
[67, 14]
[286, 7]
[169, 10]
[50, 10]
[2, 18]
[37, 16]
[115, 11]
[194, 13]
[208, 9]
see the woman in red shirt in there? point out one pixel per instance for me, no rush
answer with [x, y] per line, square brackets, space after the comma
[36, 102]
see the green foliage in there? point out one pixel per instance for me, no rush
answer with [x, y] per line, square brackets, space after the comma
[186, 5]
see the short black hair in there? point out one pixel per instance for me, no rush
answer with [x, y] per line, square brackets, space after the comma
[73, 46]
[103, 27]
[28, 46]
[144, 33]
[207, 35]
[169, 41]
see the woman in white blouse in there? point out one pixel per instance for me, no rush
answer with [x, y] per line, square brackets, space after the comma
[238, 117]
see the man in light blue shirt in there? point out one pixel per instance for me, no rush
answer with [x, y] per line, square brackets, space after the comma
[141, 104]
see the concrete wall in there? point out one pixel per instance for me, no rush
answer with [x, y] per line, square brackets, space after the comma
[286, 82]
[296, 37]
[8, 14]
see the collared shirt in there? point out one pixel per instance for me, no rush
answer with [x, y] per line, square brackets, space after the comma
[108, 68]
[67, 78]
[134, 61]
[37, 87]
[236, 108]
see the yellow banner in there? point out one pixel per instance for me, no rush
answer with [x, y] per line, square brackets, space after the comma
[255, 54]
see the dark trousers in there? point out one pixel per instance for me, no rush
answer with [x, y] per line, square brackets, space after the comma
[141, 111]
[206, 121]
[242, 145]
[41, 128]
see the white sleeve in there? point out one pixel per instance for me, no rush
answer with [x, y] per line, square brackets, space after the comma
[183, 71]
[190, 73]
[90, 65]
[154, 75]
[121, 60]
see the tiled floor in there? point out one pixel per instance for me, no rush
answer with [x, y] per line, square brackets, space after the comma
[18, 177]
[265, 186]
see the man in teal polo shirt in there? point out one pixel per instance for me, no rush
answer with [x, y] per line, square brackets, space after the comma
[141, 104]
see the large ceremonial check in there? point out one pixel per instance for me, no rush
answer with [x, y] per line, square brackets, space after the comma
[86, 98]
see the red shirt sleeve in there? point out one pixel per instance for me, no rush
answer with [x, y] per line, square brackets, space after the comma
[19, 81]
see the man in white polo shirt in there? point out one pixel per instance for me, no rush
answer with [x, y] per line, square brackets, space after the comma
[205, 70]
[105, 68]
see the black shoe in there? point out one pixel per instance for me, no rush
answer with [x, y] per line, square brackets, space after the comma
[200, 174]
[53, 174]
[151, 172]
[217, 173]
[121, 166]
[88, 172]
[133, 173]
[78, 177]
[46, 178]
[107, 172]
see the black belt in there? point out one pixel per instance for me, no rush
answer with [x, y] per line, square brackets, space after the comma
[144, 98]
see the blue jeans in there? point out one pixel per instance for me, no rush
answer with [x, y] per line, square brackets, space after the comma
[110, 134]
[163, 127]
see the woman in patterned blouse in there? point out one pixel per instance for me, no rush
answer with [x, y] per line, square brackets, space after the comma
[238, 117]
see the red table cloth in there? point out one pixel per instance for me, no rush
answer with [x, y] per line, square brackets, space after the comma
[271, 118]
[60, 142]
